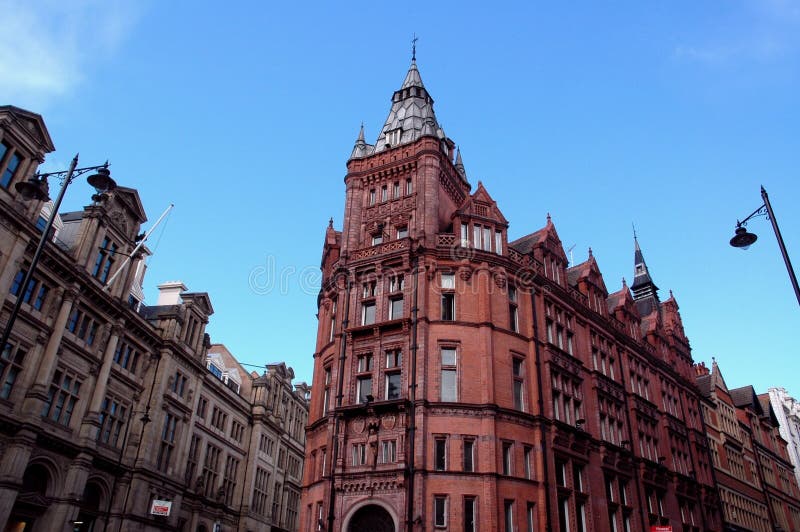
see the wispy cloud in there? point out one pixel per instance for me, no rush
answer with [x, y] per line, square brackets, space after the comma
[47, 45]
[763, 31]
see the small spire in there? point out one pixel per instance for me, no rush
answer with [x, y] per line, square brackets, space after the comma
[330, 222]
[590, 252]
[624, 284]
[360, 147]
[414, 47]
[548, 217]
[460, 164]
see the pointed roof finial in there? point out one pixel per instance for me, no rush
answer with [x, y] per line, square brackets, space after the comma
[414, 47]
[330, 222]
[548, 217]
[590, 252]
[361, 132]
[624, 284]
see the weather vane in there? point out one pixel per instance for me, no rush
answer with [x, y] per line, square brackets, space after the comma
[414, 47]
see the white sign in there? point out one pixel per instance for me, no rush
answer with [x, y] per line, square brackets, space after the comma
[160, 507]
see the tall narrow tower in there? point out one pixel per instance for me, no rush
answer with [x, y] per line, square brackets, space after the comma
[402, 376]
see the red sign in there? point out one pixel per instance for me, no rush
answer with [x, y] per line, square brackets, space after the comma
[656, 528]
[160, 507]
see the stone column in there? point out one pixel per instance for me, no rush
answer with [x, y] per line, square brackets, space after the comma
[91, 421]
[37, 394]
[12, 468]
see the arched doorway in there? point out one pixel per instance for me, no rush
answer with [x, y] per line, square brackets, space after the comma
[373, 518]
[32, 500]
[91, 503]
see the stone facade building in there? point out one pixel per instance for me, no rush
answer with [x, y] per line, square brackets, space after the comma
[107, 405]
[465, 381]
[754, 475]
[787, 410]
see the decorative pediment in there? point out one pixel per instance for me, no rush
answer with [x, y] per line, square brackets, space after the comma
[282, 370]
[29, 127]
[201, 300]
[129, 198]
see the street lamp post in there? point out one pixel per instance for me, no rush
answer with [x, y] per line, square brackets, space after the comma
[36, 189]
[742, 239]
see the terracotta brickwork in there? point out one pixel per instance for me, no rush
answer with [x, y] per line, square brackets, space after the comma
[466, 382]
[754, 474]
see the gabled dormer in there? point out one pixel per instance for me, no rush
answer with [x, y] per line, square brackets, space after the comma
[588, 280]
[545, 245]
[620, 304]
[479, 223]
[673, 324]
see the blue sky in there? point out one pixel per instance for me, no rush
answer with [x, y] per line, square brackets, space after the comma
[668, 115]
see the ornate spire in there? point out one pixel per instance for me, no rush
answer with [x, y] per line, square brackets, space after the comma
[361, 148]
[645, 292]
[460, 164]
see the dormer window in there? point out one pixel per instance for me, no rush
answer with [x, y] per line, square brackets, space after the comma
[393, 137]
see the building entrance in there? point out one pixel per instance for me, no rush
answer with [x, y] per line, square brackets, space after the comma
[373, 518]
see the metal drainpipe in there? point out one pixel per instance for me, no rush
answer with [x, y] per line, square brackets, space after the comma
[339, 387]
[412, 399]
[537, 359]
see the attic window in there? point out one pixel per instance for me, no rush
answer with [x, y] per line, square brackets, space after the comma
[215, 370]
[393, 137]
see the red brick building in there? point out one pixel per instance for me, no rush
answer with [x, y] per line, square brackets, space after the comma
[754, 476]
[463, 381]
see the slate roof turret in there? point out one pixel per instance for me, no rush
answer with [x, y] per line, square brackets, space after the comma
[411, 115]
